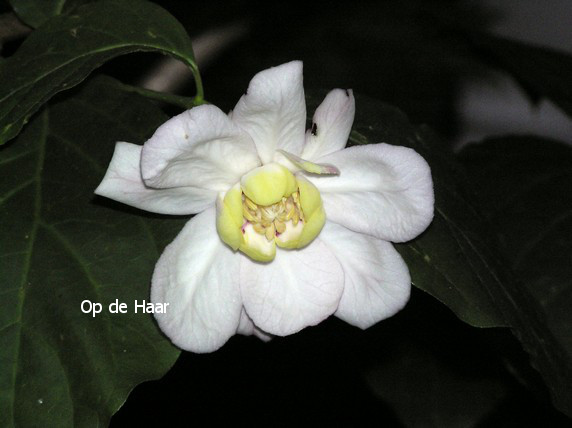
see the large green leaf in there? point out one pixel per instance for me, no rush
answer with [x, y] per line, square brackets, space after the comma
[63, 51]
[456, 259]
[542, 71]
[524, 186]
[61, 246]
[36, 12]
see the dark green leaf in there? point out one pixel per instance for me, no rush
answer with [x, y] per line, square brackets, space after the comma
[542, 71]
[456, 259]
[61, 53]
[61, 246]
[524, 186]
[35, 12]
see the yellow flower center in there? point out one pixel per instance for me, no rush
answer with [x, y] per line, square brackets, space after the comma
[269, 207]
[272, 220]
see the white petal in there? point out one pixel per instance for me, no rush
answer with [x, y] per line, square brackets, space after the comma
[299, 288]
[382, 190]
[198, 276]
[123, 183]
[200, 148]
[331, 125]
[311, 167]
[247, 328]
[273, 110]
[377, 282]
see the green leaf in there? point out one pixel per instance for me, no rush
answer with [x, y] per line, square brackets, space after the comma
[456, 259]
[524, 187]
[62, 53]
[60, 246]
[543, 72]
[36, 12]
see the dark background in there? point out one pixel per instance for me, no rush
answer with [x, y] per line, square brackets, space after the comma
[423, 367]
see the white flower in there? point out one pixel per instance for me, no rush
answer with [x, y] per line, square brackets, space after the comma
[258, 179]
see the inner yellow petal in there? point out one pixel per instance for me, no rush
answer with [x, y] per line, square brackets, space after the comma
[230, 217]
[290, 238]
[291, 214]
[313, 210]
[256, 246]
[268, 184]
[310, 198]
[312, 228]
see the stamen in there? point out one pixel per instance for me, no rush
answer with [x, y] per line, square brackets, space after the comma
[247, 214]
[251, 204]
[280, 227]
[259, 228]
[271, 220]
[270, 232]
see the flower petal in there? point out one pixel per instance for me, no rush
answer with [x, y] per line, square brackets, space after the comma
[229, 217]
[273, 110]
[123, 183]
[313, 209]
[256, 246]
[200, 148]
[198, 276]
[377, 282]
[298, 289]
[268, 184]
[382, 190]
[247, 328]
[311, 167]
[331, 124]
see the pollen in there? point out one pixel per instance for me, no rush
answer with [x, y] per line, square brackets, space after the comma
[271, 220]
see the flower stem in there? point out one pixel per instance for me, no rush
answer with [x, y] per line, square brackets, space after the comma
[200, 96]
